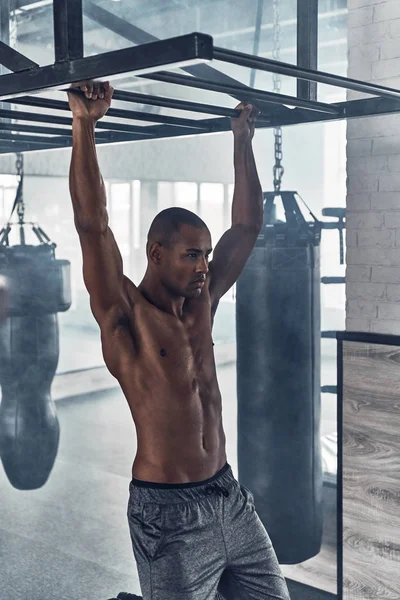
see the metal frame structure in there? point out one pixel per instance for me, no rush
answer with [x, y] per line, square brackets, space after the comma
[147, 59]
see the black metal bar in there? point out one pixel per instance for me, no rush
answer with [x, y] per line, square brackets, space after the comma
[68, 29]
[209, 109]
[114, 112]
[35, 129]
[150, 100]
[254, 94]
[140, 59]
[333, 280]
[359, 108]
[106, 136]
[362, 337]
[44, 118]
[333, 225]
[330, 335]
[13, 60]
[273, 66]
[59, 142]
[139, 36]
[307, 45]
[4, 30]
[329, 389]
[48, 142]
[353, 109]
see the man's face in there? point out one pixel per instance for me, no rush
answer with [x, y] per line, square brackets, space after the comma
[184, 266]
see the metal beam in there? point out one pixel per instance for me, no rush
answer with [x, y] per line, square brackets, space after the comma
[307, 45]
[352, 109]
[44, 118]
[13, 60]
[252, 94]
[273, 66]
[58, 142]
[114, 112]
[35, 129]
[139, 36]
[106, 136]
[68, 29]
[5, 13]
[209, 109]
[140, 59]
[163, 101]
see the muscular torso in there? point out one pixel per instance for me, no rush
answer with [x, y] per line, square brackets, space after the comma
[166, 369]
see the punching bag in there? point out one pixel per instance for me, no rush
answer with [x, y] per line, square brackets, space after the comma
[278, 380]
[38, 288]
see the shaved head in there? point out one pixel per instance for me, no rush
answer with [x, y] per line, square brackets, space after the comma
[165, 229]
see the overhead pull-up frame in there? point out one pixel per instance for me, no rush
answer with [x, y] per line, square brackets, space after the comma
[151, 58]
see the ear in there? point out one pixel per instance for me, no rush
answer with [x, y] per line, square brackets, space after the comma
[155, 253]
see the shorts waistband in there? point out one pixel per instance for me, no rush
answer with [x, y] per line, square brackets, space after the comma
[148, 492]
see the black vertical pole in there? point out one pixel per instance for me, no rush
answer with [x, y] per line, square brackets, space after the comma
[307, 45]
[5, 11]
[68, 29]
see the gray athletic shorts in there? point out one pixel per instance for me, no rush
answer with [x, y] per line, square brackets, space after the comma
[193, 540]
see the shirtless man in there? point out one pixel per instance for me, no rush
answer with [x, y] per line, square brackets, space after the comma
[194, 529]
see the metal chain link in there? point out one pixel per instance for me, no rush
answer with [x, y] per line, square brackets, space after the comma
[278, 169]
[19, 165]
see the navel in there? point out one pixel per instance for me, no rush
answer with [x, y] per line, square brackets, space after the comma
[163, 352]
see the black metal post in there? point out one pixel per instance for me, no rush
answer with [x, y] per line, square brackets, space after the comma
[307, 45]
[68, 29]
[4, 34]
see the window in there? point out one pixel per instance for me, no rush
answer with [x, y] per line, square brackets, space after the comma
[120, 203]
[212, 208]
[136, 214]
[186, 195]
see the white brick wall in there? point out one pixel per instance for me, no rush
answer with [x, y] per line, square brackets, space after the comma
[373, 170]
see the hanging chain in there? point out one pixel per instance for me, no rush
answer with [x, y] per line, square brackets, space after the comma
[19, 165]
[278, 169]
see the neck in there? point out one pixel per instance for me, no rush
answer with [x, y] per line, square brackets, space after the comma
[158, 295]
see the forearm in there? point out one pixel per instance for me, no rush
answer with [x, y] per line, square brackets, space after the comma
[247, 206]
[85, 180]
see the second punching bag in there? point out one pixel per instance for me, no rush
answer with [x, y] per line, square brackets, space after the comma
[278, 381]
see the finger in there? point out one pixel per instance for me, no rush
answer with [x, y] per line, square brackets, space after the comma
[95, 92]
[109, 91]
[88, 89]
[246, 113]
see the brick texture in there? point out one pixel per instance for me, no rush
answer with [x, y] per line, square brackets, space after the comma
[373, 175]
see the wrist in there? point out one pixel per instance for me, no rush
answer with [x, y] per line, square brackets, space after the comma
[83, 121]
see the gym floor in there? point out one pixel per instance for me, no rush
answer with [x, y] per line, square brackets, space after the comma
[69, 540]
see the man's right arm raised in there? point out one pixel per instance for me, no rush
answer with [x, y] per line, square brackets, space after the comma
[102, 261]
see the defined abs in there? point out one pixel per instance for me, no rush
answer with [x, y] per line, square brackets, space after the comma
[179, 430]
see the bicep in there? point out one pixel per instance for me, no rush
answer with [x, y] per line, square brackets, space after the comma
[102, 269]
[229, 258]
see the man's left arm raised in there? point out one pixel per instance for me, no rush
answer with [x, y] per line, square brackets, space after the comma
[235, 246]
